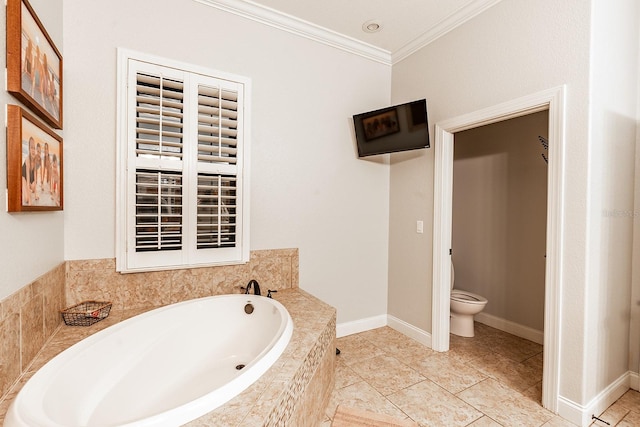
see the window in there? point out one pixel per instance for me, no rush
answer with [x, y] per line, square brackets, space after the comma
[182, 155]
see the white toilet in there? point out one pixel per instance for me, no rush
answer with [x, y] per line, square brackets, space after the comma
[464, 305]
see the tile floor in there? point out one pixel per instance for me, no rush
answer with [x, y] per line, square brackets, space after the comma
[493, 379]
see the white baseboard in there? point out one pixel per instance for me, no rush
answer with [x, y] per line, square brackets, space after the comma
[634, 381]
[511, 327]
[581, 414]
[409, 330]
[361, 325]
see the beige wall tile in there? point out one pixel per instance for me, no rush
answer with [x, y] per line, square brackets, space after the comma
[9, 351]
[28, 318]
[98, 280]
[32, 329]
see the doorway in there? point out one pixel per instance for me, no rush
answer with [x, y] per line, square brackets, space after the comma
[553, 101]
[499, 221]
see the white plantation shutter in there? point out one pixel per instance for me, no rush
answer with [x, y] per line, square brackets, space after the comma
[159, 115]
[184, 184]
[217, 166]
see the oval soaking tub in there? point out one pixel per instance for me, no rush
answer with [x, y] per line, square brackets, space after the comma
[164, 367]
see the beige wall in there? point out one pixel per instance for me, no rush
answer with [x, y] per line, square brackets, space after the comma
[499, 217]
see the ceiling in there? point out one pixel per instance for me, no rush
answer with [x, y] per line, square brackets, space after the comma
[406, 25]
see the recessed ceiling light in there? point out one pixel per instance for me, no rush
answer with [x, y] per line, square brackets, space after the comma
[372, 26]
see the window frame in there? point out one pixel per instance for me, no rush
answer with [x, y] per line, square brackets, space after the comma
[126, 167]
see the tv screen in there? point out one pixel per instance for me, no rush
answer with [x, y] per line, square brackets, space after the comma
[389, 130]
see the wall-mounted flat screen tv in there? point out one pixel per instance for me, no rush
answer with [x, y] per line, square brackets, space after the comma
[389, 130]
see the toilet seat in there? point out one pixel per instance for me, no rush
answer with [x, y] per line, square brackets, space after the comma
[467, 297]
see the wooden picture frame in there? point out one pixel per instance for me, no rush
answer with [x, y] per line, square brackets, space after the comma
[34, 164]
[34, 64]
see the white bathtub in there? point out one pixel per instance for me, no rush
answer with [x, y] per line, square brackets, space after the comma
[165, 367]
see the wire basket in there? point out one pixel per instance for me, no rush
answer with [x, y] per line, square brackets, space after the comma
[86, 313]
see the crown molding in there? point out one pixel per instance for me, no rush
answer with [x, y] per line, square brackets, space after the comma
[452, 21]
[273, 18]
[291, 24]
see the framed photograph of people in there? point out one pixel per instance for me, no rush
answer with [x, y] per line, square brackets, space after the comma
[382, 124]
[34, 64]
[34, 163]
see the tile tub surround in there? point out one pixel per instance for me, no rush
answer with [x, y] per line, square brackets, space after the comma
[296, 388]
[98, 279]
[28, 318]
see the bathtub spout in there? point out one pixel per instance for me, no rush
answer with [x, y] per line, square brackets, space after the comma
[256, 287]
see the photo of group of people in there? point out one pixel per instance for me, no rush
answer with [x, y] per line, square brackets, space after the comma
[381, 124]
[41, 165]
[40, 66]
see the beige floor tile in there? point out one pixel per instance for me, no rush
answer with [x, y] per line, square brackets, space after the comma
[363, 396]
[481, 330]
[485, 422]
[325, 423]
[504, 405]
[630, 400]
[516, 375]
[345, 376]
[354, 348]
[449, 371]
[386, 374]
[515, 348]
[558, 421]
[395, 343]
[536, 362]
[346, 416]
[469, 348]
[503, 384]
[534, 393]
[632, 419]
[487, 394]
[430, 405]
[384, 335]
[613, 414]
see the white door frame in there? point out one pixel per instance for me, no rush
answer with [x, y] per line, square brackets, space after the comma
[552, 100]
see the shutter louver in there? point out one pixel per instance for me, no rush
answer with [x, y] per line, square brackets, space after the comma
[158, 211]
[217, 125]
[159, 117]
[217, 208]
[217, 150]
[159, 136]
